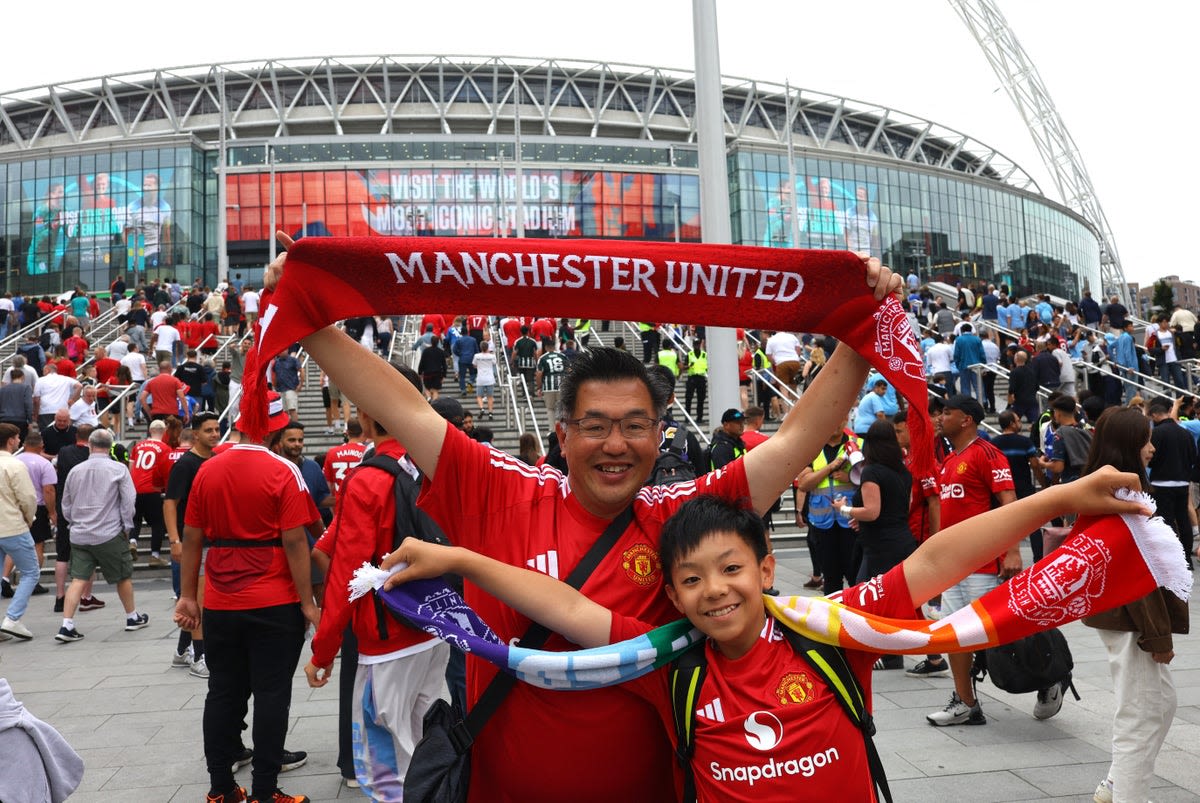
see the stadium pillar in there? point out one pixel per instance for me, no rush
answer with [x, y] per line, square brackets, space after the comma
[714, 197]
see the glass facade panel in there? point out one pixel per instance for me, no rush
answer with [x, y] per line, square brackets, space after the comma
[940, 227]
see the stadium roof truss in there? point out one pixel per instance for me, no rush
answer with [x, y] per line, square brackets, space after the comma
[470, 96]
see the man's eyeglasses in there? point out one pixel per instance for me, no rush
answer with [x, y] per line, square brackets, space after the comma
[634, 427]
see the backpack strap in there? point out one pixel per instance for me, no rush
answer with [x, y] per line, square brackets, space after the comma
[678, 442]
[830, 662]
[686, 678]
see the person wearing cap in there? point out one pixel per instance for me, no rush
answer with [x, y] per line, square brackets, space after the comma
[727, 444]
[971, 475]
[401, 670]
[258, 600]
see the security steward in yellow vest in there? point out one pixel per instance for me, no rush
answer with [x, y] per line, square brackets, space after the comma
[650, 340]
[697, 380]
[669, 357]
[829, 531]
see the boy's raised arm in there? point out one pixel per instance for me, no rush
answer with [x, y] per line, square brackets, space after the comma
[543, 599]
[954, 552]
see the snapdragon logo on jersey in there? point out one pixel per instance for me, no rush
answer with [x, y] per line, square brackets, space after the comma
[764, 731]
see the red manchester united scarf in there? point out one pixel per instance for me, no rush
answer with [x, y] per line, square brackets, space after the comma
[331, 278]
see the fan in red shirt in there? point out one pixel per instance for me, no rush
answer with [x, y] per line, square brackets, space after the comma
[249, 506]
[434, 320]
[973, 475]
[168, 394]
[542, 329]
[205, 333]
[149, 467]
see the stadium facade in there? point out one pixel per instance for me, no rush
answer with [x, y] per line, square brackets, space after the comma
[120, 174]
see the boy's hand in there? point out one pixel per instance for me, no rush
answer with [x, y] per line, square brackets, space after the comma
[1095, 494]
[317, 676]
[423, 559]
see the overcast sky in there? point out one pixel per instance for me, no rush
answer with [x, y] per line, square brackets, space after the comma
[1121, 74]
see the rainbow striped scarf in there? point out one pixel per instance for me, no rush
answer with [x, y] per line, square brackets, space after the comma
[1105, 562]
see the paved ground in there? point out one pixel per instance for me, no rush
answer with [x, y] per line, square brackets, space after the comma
[136, 721]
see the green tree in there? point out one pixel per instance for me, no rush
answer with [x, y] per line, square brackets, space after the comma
[1163, 298]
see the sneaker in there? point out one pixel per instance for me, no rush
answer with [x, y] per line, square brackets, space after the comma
[236, 796]
[814, 582]
[243, 758]
[6, 588]
[158, 563]
[1104, 792]
[889, 662]
[1049, 701]
[929, 669]
[91, 604]
[199, 668]
[292, 760]
[351, 783]
[13, 627]
[59, 604]
[957, 712]
[133, 550]
[772, 591]
[5, 637]
[279, 796]
[137, 622]
[67, 634]
[40, 589]
[182, 660]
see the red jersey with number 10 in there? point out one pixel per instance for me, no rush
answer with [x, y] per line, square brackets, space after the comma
[149, 466]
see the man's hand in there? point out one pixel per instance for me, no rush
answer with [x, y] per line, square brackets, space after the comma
[187, 613]
[311, 612]
[423, 559]
[1011, 565]
[317, 676]
[274, 271]
[881, 278]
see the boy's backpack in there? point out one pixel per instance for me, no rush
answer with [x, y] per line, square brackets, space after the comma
[1032, 663]
[672, 465]
[687, 677]
[410, 520]
[33, 356]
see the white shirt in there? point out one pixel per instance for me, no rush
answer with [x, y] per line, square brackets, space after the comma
[783, 347]
[118, 349]
[485, 366]
[136, 364]
[940, 356]
[55, 391]
[250, 301]
[1166, 341]
[157, 317]
[165, 338]
[84, 413]
[991, 352]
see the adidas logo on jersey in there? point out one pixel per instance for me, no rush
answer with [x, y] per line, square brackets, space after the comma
[546, 563]
[712, 712]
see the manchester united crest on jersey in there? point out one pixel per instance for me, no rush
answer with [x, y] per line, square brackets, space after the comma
[961, 468]
[642, 565]
[794, 687]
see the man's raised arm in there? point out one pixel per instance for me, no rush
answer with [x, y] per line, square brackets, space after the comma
[771, 467]
[373, 385]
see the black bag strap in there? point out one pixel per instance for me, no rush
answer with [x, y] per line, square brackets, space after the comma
[687, 677]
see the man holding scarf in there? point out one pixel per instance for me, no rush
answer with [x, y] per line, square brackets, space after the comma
[538, 517]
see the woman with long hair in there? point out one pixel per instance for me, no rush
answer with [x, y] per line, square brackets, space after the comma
[1137, 636]
[879, 511]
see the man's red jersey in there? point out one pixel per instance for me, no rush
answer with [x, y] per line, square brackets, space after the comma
[248, 493]
[149, 466]
[163, 390]
[918, 511]
[969, 479]
[768, 728]
[601, 745]
[339, 461]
